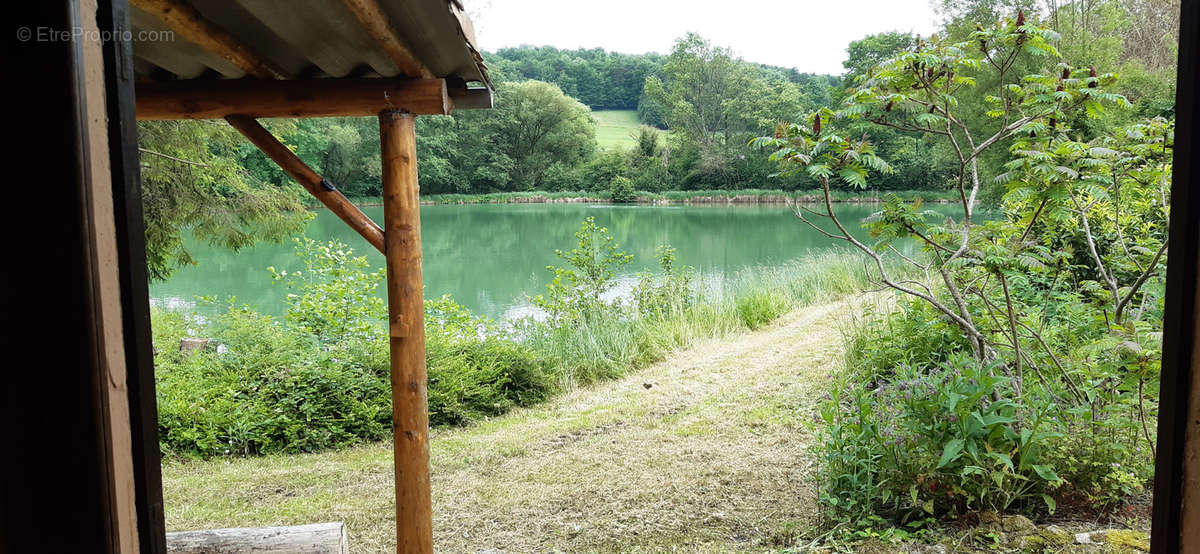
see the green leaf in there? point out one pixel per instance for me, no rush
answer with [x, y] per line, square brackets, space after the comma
[1046, 472]
[951, 452]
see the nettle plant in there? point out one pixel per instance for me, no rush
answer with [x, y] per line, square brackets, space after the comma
[1059, 295]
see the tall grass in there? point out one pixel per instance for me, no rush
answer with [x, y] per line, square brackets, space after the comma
[614, 342]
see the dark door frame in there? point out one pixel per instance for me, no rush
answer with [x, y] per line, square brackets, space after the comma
[1179, 317]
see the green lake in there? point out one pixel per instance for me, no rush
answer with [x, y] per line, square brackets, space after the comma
[489, 257]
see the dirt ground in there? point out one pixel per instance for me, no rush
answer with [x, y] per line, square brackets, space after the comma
[703, 452]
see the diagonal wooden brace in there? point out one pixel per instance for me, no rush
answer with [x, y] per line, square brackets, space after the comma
[309, 179]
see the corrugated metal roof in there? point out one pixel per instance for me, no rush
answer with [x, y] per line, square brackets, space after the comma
[311, 39]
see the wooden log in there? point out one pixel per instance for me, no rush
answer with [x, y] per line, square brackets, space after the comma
[204, 99]
[309, 179]
[376, 22]
[184, 19]
[316, 538]
[406, 326]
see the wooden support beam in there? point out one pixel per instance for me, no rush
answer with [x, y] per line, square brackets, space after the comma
[310, 98]
[316, 538]
[406, 326]
[309, 179]
[186, 20]
[376, 22]
[471, 99]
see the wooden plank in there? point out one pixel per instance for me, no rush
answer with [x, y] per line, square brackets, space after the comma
[1176, 516]
[376, 22]
[186, 20]
[316, 538]
[309, 179]
[406, 325]
[216, 99]
[113, 17]
[108, 340]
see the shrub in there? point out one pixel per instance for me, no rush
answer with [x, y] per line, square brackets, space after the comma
[622, 190]
[475, 369]
[1057, 296]
[272, 389]
[334, 297]
[603, 168]
[914, 335]
[578, 290]
[1100, 452]
[928, 443]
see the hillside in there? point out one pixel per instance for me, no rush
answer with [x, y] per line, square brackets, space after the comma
[616, 128]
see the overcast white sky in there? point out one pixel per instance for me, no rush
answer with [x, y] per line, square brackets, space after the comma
[810, 35]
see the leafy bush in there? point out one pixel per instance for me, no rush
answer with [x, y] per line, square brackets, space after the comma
[919, 376]
[475, 369]
[1101, 452]
[577, 291]
[622, 190]
[928, 443]
[271, 389]
[334, 297]
[914, 335]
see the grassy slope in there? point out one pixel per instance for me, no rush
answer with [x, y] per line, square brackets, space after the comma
[709, 458]
[614, 127]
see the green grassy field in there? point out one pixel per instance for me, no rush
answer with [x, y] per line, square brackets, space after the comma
[615, 128]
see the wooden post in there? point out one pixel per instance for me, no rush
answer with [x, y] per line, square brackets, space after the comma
[406, 326]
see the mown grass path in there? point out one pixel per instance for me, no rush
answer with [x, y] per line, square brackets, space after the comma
[703, 452]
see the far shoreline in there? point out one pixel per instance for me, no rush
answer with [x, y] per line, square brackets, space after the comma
[709, 198]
